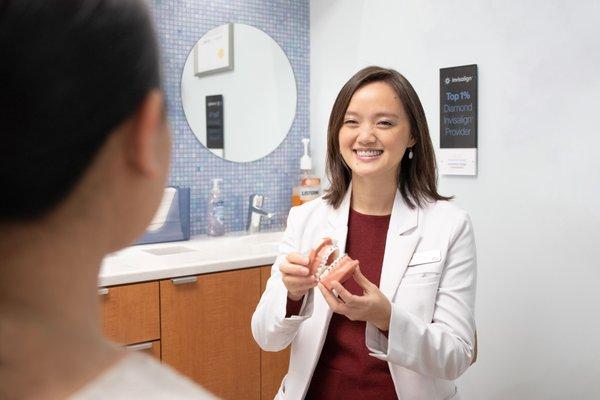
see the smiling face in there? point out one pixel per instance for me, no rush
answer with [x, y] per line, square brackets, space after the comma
[375, 132]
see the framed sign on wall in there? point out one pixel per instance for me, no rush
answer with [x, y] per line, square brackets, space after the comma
[458, 120]
[214, 51]
[215, 140]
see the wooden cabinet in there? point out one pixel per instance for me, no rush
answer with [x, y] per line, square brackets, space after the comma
[130, 312]
[206, 331]
[200, 325]
[273, 366]
[151, 348]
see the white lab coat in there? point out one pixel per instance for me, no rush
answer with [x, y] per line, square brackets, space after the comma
[429, 276]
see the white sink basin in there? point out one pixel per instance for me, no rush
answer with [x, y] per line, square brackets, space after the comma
[202, 254]
[236, 243]
[261, 242]
[260, 238]
[266, 248]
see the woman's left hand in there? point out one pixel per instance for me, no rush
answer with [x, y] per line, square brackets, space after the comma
[371, 307]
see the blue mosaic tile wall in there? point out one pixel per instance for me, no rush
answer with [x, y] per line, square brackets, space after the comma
[179, 25]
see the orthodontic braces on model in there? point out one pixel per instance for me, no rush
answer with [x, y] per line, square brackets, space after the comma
[326, 263]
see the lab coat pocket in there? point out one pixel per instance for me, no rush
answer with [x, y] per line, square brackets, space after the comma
[423, 268]
[424, 257]
[419, 279]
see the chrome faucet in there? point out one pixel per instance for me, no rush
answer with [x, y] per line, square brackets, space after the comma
[255, 212]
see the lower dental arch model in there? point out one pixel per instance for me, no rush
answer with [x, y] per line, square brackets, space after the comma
[326, 263]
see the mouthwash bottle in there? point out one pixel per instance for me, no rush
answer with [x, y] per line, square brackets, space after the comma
[309, 186]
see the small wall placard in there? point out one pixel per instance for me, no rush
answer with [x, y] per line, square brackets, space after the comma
[215, 140]
[214, 51]
[458, 120]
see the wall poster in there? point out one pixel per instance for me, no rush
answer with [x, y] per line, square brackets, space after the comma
[215, 131]
[214, 51]
[458, 120]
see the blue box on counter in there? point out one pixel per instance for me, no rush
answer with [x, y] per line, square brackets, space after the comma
[172, 219]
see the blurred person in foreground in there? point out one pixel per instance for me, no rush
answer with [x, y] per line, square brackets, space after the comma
[84, 156]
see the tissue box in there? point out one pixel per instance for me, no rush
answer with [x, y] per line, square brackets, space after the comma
[172, 219]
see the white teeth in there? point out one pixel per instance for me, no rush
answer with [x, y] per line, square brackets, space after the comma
[368, 153]
[323, 271]
[323, 265]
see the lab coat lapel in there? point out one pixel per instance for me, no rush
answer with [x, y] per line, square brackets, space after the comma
[401, 241]
[338, 221]
[336, 229]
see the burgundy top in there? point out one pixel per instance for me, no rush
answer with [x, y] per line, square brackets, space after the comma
[345, 369]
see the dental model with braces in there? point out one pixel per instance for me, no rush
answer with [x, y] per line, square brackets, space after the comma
[326, 263]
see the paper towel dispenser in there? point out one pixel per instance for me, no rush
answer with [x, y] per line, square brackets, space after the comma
[172, 219]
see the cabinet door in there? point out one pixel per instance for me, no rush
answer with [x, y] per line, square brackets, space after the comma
[130, 312]
[206, 331]
[273, 366]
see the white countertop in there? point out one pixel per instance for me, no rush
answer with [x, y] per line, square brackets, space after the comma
[199, 255]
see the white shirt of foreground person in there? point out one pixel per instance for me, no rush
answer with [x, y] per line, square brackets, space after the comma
[139, 376]
[429, 276]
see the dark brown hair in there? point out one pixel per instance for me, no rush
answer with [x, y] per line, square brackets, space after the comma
[417, 178]
[54, 120]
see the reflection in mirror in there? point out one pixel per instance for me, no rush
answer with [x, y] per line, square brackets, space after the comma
[238, 92]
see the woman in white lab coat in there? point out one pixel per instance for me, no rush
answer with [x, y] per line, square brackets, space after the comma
[404, 325]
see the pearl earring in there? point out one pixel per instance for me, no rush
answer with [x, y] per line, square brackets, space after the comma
[410, 155]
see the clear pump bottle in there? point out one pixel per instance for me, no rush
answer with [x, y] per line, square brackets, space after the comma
[215, 224]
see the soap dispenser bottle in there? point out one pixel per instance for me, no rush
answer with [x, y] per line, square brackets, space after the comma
[215, 226]
[309, 187]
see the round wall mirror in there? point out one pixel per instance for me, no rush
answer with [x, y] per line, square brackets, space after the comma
[238, 92]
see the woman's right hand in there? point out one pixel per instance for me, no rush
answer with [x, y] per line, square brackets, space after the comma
[296, 276]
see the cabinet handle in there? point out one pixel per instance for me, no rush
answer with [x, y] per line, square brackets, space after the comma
[139, 346]
[102, 291]
[185, 279]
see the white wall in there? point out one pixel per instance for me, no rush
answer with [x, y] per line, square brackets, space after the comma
[535, 203]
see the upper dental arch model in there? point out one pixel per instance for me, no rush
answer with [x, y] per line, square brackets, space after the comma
[326, 263]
